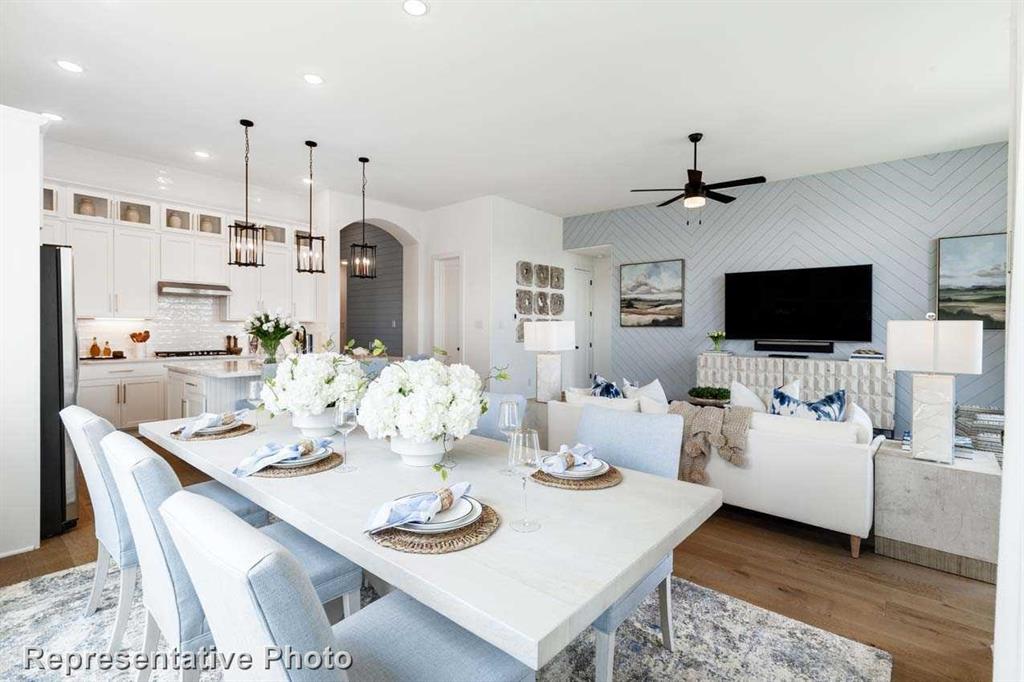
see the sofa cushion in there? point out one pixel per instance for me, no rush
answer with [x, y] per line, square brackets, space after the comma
[834, 432]
[830, 408]
[624, 404]
[652, 390]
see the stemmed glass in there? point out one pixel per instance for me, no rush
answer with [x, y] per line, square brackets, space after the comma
[345, 421]
[508, 424]
[255, 400]
[525, 453]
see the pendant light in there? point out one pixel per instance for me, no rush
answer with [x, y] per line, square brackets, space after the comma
[246, 239]
[362, 262]
[309, 250]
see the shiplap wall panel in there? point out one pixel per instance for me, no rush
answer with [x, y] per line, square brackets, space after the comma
[375, 305]
[887, 214]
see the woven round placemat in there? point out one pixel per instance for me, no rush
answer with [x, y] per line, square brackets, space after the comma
[326, 464]
[441, 543]
[239, 430]
[608, 479]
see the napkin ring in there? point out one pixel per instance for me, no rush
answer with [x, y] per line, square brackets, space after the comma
[447, 499]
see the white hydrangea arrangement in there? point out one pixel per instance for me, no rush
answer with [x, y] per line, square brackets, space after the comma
[422, 401]
[271, 329]
[309, 384]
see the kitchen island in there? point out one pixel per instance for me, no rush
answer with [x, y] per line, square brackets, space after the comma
[197, 387]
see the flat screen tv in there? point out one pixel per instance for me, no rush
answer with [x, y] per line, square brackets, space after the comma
[811, 304]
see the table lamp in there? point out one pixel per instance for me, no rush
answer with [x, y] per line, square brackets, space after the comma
[548, 339]
[935, 351]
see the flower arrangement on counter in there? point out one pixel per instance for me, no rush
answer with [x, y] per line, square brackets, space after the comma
[271, 329]
[308, 384]
[717, 336]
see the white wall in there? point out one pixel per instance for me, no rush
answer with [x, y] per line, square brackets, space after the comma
[20, 196]
[603, 317]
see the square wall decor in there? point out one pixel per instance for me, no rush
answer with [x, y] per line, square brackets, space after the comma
[540, 303]
[651, 294]
[524, 301]
[524, 273]
[972, 279]
[542, 275]
[557, 278]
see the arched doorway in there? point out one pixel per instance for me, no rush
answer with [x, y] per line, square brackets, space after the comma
[374, 308]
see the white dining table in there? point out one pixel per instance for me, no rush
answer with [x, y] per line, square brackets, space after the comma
[529, 594]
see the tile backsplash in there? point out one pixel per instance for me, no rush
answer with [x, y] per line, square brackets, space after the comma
[181, 323]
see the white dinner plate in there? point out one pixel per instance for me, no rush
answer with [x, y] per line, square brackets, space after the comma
[599, 466]
[449, 517]
[431, 529]
[210, 430]
[305, 460]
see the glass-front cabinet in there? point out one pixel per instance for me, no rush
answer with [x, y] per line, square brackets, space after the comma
[51, 200]
[90, 206]
[176, 218]
[135, 212]
[210, 224]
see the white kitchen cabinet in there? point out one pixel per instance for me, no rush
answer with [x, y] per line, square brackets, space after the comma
[142, 400]
[211, 258]
[52, 204]
[304, 295]
[185, 396]
[177, 256]
[276, 281]
[101, 397]
[135, 273]
[92, 249]
[52, 232]
[245, 292]
[174, 394]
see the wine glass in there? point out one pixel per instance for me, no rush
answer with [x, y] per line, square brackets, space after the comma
[508, 424]
[255, 401]
[526, 453]
[345, 421]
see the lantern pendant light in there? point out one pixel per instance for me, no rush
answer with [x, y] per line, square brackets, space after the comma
[246, 239]
[362, 262]
[309, 250]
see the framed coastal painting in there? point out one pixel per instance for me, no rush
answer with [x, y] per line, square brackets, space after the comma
[972, 279]
[651, 294]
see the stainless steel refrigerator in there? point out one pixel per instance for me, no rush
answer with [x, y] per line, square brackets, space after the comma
[58, 388]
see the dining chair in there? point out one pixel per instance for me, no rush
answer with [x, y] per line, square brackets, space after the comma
[419, 356]
[487, 425]
[113, 534]
[145, 480]
[257, 596]
[648, 443]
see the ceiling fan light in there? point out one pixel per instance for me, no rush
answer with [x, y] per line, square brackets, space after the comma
[696, 201]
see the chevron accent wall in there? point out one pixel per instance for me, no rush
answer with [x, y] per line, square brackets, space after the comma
[888, 214]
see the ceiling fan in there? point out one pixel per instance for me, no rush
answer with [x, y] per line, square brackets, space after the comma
[696, 193]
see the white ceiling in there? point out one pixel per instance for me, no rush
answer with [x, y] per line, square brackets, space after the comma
[560, 105]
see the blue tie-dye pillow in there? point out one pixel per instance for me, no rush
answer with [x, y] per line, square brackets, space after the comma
[831, 408]
[604, 388]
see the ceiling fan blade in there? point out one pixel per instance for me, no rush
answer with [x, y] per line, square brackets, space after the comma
[693, 176]
[673, 199]
[737, 183]
[670, 189]
[717, 196]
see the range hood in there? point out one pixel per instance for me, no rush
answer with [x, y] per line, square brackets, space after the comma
[192, 289]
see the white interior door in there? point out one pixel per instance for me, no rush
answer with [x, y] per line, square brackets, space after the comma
[578, 368]
[448, 306]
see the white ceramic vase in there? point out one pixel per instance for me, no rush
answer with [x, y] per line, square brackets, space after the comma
[418, 454]
[315, 425]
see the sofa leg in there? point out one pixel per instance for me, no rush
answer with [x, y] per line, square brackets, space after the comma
[854, 546]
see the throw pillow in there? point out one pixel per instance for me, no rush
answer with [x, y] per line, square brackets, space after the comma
[652, 406]
[603, 388]
[741, 396]
[624, 404]
[830, 408]
[855, 414]
[652, 390]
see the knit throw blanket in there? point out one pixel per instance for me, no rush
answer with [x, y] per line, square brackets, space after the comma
[708, 427]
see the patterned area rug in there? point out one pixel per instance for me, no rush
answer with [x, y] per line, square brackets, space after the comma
[717, 637]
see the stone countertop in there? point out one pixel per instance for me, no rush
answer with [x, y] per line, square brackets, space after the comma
[168, 361]
[224, 369]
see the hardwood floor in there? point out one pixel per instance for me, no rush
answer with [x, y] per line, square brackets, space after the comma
[937, 626]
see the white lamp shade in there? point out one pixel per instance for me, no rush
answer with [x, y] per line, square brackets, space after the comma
[938, 346]
[550, 336]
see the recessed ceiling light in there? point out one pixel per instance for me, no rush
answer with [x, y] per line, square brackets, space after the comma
[69, 66]
[313, 79]
[56, 118]
[307, 181]
[416, 8]
[201, 154]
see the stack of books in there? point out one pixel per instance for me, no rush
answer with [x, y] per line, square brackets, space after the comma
[983, 426]
[867, 355]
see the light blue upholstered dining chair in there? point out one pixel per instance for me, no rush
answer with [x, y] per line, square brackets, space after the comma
[173, 610]
[256, 596]
[113, 534]
[648, 443]
[487, 425]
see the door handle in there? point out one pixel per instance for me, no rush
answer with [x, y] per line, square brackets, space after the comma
[117, 388]
[124, 393]
[184, 408]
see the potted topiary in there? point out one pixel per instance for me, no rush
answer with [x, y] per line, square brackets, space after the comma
[709, 396]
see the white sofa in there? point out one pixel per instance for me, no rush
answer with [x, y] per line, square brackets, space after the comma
[820, 473]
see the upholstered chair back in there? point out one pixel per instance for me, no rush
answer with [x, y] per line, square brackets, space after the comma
[86, 431]
[144, 481]
[254, 592]
[645, 442]
[487, 426]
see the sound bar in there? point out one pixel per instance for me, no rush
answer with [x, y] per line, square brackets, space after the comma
[794, 346]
